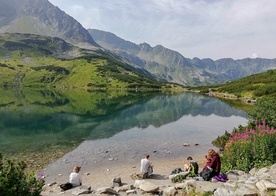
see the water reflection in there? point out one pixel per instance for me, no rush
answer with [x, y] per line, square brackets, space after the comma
[37, 120]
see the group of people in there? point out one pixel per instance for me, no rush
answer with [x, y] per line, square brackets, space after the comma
[213, 164]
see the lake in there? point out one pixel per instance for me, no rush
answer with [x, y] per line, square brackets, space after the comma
[82, 127]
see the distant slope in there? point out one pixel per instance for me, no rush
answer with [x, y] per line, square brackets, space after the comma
[171, 66]
[254, 86]
[38, 61]
[42, 18]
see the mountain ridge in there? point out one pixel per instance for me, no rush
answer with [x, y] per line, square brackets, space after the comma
[171, 66]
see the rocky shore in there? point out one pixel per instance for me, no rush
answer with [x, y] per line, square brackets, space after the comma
[117, 181]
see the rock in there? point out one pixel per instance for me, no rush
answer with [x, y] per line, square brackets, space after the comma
[124, 188]
[273, 167]
[111, 159]
[223, 192]
[149, 187]
[106, 190]
[179, 185]
[137, 183]
[130, 191]
[261, 171]
[52, 183]
[265, 176]
[245, 191]
[206, 187]
[117, 182]
[87, 173]
[81, 190]
[229, 185]
[169, 191]
[265, 185]
[186, 144]
[253, 171]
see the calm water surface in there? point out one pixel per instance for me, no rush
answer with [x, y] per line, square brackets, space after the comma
[103, 128]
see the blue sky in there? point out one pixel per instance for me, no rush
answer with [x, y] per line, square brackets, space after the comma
[195, 28]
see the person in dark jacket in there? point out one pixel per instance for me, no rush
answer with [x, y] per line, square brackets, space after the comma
[213, 161]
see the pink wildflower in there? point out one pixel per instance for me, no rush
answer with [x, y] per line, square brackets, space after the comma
[41, 175]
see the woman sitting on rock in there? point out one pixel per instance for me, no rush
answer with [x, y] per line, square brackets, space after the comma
[213, 163]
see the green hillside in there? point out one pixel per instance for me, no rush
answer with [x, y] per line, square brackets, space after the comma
[38, 61]
[254, 86]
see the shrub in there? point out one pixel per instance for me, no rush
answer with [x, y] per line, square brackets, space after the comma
[264, 110]
[221, 140]
[249, 147]
[14, 180]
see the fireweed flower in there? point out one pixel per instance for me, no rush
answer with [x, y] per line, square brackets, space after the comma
[41, 175]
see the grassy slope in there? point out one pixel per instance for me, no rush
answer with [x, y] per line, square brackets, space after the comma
[35, 63]
[254, 86]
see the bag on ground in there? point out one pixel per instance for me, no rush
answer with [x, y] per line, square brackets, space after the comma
[66, 186]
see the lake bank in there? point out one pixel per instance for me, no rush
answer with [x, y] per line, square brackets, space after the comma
[102, 175]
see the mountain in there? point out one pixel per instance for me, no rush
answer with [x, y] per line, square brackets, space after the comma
[169, 65]
[42, 18]
[28, 60]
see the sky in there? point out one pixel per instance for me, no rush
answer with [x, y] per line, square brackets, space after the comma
[195, 28]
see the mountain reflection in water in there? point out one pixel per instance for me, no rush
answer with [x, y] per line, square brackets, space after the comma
[37, 120]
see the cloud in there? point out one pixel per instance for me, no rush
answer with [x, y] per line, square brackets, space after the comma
[202, 28]
[254, 55]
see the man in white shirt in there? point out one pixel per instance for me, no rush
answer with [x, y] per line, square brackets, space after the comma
[146, 166]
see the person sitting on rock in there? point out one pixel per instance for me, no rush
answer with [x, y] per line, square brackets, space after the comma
[192, 167]
[75, 177]
[146, 167]
[213, 162]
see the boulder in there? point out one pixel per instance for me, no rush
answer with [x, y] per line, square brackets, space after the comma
[149, 187]
[117, 182]
[179, 185]
[169, 191]
[124, 188]
[207, 187]
[265, 185]
[137, 183]
[262, 171]
[107, 190]
[81, 190]
[241, 191]
[223, 192]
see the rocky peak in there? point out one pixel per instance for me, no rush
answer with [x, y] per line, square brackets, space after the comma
[42, 18]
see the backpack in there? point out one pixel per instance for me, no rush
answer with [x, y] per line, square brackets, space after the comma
[221, 177]
[66, 186]
[206, 174]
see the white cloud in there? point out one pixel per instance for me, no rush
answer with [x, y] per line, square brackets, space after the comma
[202, 28]
[254, 55]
